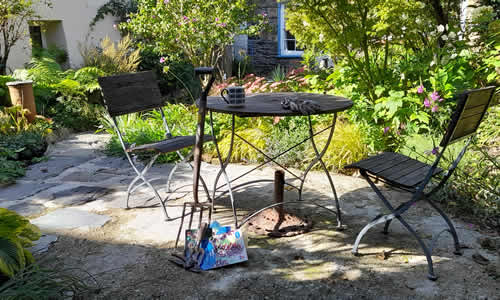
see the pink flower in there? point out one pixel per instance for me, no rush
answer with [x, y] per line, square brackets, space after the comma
[434, 108]
[264, 14]
[427, 103]
[420, 89]
[153, 16]
[222, 24]
[435, 150]
[162, 60]
[216, 19]
[440, 99]
[185, 18]
[115, 26]
[194, 20]
[386, 129]
[434, 96]
[166, 1]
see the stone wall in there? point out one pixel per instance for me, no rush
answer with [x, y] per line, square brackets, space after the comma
[263, 50]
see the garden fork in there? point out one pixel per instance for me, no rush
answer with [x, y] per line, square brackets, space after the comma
[198, 147]
[194, 206]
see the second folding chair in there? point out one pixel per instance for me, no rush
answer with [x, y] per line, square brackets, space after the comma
[403, 172]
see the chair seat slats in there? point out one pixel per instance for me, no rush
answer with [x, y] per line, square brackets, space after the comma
[170, 145]
[417, 176]
[373, 161]
[390, 163]
[401, 169]
[395, 168]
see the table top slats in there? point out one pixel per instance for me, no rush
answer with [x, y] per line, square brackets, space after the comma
[269, 104]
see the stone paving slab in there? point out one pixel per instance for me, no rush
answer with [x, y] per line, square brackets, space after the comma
[69, 218]
[53, 167]
[25, 208]
[43, 243]
[23, 189]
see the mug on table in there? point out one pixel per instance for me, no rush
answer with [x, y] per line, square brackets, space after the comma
[235, 95]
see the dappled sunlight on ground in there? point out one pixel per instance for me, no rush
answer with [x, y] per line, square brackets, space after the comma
[128, 253]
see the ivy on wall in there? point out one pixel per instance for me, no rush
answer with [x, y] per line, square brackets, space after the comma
[117, 8]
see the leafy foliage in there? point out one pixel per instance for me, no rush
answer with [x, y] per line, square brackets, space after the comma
[38, 281]
[4, 93]
[117, 8]
[52, 51]
[384, 50]
[16, 234]
[63, 95]
[195, 30]
[112, 58]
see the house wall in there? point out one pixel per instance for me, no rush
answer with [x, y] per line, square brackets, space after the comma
[66, 25]
[264, 49]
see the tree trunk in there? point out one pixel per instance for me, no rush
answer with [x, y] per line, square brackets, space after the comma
[3, 66]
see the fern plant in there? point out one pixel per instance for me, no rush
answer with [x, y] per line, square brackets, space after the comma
[16, 234]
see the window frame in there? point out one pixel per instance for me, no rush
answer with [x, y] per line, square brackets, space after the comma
[282, 51]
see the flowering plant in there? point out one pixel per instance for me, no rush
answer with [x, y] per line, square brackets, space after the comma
[195, 30]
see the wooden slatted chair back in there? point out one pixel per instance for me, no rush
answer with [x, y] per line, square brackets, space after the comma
[129, 93]
[470, 110]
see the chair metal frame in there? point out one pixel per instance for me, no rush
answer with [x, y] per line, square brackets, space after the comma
[451, 136]
[140, 174]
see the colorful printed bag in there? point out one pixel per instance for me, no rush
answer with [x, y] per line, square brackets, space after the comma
[224, 247]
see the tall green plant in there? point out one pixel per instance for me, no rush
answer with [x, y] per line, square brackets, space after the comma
[112, 58]
[16, 234]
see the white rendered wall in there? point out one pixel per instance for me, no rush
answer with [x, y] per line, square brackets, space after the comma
[75, 17]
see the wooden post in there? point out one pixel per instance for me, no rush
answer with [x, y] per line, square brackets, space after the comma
[279, 195]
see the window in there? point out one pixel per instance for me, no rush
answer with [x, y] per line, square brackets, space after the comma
[36, 36]
[287, 45]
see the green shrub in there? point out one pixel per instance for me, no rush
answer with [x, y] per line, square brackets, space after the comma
[254, 130]
[344, 149]
[10, 169]
[26, 144]
[179, 82]
[52, 51]
[4, 92]
[112, 58]
[16, 234]
[287, 132]
[64, 96]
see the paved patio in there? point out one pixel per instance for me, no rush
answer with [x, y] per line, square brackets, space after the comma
[77, 198]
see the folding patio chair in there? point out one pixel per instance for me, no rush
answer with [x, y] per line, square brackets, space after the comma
[408, 174]
[138, 92]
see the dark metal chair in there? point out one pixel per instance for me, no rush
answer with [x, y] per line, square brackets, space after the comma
[138, 92]
[411, 175]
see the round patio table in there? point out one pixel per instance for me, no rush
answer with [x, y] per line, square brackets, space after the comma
[269, 104]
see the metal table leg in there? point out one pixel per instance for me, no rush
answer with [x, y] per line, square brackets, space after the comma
[223, 165]
[319, 156]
